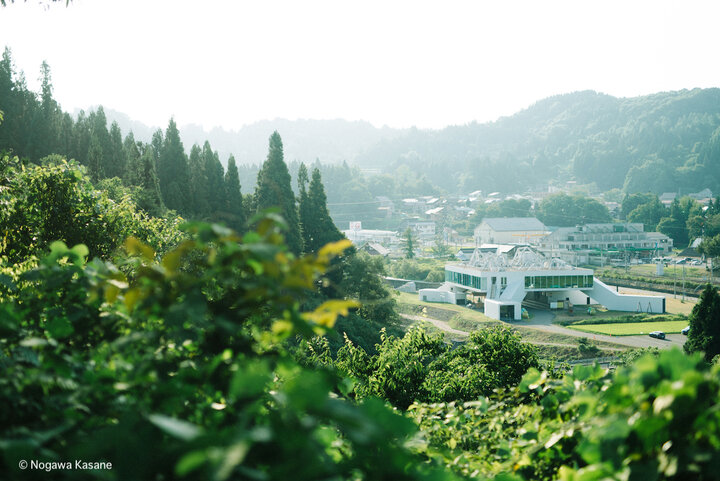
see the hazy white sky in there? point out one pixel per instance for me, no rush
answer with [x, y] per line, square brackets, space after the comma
[397, 63]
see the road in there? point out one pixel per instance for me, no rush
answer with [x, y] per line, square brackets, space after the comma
[542, 321]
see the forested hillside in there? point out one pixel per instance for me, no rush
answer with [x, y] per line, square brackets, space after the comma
[662, 142]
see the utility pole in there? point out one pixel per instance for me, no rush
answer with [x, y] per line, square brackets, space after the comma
[683, 279]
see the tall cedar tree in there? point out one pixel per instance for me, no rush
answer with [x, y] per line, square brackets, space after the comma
[274, 190]
[131, 176]
[319, 228]
[148, 196]
[173, 172]
[704, 335]
[234, 198]
[117, 160]
[98, 153]
[199, 192]
[304, 210]
[409, 244]
[214, 174]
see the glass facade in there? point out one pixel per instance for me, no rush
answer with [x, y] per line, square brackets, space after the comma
[531, 282]
[558, 282]
[466, 280]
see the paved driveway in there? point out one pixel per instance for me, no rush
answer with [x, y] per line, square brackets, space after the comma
[542, 321]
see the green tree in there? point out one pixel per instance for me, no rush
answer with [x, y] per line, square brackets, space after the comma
[649, 213]
[147, 193]
[199, 187]
[563, 210]
[319, 228]
[173, 172]
[710, 248]
[409, 244]
[215, 175]
[235, 207]
[704, 335]
[117, 160]
[632, 201]
[274, 190]
[492, 358]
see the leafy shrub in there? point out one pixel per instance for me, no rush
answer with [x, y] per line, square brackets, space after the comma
[656, 419]
[54, 202]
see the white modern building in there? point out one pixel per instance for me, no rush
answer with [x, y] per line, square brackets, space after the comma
[383, 237]
[502, 284]
[509, 230]
[422, 229]
[598, 243]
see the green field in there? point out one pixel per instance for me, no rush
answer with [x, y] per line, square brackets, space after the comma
[632, 328]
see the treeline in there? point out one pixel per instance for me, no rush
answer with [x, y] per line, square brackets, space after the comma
[684, 220]
[159, 174]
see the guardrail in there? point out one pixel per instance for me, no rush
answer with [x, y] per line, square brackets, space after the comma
[598, 360]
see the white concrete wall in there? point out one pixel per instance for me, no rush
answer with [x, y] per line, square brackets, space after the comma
[437, 295]
[608, 297]
[576, 296]
[492, 309]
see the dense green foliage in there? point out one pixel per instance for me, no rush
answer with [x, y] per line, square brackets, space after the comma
[57, 202]
[704, 335]
[657, 419]
[420, 367]
[179, 369]
[563, 210]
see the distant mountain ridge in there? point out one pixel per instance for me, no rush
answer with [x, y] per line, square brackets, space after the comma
[330, 141]
[667, 141]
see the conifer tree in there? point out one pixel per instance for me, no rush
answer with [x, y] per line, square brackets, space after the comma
[95, 159]
[132, 154]
[173, 172]
[148, 196]
[304, 209]
[273, 190]
[101, 150]
[234, 198]
[409, 244]
[214, 174]
[320, 228]
[199, 191]
[115, 167]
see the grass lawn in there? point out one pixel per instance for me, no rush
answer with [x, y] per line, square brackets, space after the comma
[633, 328]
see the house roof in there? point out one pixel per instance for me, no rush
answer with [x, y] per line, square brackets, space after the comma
[507, 224]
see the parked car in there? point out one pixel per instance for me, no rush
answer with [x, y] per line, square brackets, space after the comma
[657, 334]
[685, 330]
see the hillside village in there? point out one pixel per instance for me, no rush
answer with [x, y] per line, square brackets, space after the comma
[453, 221]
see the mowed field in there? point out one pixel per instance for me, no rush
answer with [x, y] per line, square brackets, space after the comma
[632, 328]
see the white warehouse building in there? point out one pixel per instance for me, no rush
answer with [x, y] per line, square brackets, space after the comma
[503, 284]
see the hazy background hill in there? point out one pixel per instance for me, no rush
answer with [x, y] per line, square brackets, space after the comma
[668, 141]
[330, 141]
